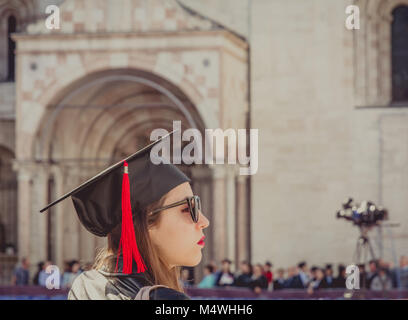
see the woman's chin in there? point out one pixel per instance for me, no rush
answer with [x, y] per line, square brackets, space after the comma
[195, 262]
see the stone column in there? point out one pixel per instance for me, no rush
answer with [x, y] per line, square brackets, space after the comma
[242, 225]
[230, 213]
[58, 173]
[70, 218]
[219, 214]
[38, 225]
[24, 178]
[202, 180]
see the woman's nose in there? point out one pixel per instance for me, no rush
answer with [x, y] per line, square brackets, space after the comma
[203, 222]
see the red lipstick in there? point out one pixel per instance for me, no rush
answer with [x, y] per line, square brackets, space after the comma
[201, 242]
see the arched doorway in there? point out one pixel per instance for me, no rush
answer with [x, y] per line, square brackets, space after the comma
[95, 122]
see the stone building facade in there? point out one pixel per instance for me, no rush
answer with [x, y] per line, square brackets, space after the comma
[320, 95]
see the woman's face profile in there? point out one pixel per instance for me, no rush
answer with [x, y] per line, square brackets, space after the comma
[176, 235]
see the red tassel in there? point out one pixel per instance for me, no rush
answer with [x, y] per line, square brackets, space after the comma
[128, 239]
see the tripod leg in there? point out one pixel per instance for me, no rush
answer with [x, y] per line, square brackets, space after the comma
[364, 284]
[357, 253]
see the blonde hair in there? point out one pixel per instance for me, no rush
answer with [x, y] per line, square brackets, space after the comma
[157, 269]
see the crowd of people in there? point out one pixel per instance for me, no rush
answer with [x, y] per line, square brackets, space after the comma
[258, 277]
[21, 273]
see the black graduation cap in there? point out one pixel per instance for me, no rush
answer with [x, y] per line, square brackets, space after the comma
[107, 199]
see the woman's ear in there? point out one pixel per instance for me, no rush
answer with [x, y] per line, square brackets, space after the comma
[152, 232]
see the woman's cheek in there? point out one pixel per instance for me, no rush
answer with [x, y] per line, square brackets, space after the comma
[179, 238]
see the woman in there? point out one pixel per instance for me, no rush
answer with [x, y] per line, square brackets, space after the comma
[161, 229]
[168, 239]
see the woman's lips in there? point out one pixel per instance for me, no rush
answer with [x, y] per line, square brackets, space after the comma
[201, 242]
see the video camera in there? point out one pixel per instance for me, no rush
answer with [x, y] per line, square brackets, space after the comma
[364, 214]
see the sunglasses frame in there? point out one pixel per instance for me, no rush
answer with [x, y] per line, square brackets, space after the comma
[194, 210]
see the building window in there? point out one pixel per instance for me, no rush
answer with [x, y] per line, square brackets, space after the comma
[11, 28]
[399, 49]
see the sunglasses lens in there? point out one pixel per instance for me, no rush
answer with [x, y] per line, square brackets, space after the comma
[199, 203]
[196, 206]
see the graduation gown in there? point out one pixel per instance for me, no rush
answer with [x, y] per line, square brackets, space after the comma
[101, 285]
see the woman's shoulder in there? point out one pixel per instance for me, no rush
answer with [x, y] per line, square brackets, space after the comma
[94, 284]
[85, 287]
[91, 285]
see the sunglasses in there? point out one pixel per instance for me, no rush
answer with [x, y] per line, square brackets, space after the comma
[194, 206]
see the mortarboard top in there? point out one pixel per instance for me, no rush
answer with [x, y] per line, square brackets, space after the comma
[107, 199]
[148, 183]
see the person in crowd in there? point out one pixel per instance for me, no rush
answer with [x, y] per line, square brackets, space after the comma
[267, 272]
[321, 282]
[382, 280]
[75, 272]
[403, 272]
[318, 281]
[225, 278]
[389, 269]
[258, 280]
[301, 281]
[340, 281]
[362, 276]
[372, 267]
[43, 275]
[292, 274]
[214, 265]
[244, 278]
[280, 283]
[66, 276]
[328, 272]
[208, 280]
[21, 274]
[185, 275]
[216, 271]
[40, 266]
[313, 270]
[394, 273]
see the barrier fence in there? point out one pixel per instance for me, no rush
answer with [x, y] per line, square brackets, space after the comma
[36, 292]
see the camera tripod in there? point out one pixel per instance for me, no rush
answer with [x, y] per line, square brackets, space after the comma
[363, 249]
